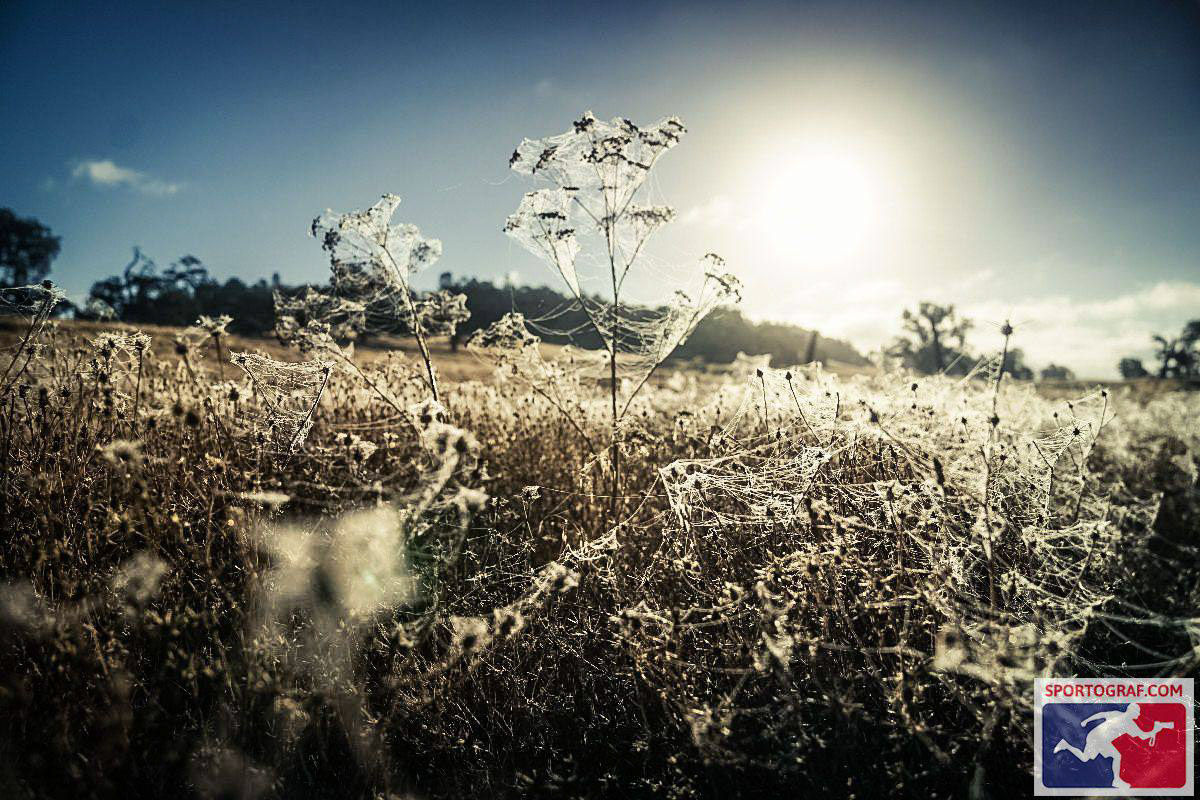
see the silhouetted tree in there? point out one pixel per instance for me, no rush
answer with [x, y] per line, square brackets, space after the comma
[1167, 353]
[1178, 356]
[177, 295]
[937, 341]
[27, 249]
[1055, 372]
[725, 333]
[181, 293]
[810, 355]
[1131, 368]
[1015, 366]
[1189, 341]
[1191, 333]
[130, 289]
[717, 339]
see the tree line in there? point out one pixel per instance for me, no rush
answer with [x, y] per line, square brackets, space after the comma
[143, 292]
[933, 338]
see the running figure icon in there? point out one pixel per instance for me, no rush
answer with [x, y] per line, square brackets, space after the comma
[1100, 739]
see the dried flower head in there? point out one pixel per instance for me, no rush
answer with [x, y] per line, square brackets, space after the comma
[137, 581]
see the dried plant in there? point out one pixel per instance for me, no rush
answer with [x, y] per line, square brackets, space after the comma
[596, 172]
[372, 263]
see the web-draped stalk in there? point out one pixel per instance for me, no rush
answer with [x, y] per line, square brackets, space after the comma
[596, 172]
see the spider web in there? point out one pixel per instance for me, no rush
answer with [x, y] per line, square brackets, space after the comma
[35, 303]
[596, 170]
[289, 393]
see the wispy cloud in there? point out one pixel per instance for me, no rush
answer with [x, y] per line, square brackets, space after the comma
[108, 174]
[718, 211]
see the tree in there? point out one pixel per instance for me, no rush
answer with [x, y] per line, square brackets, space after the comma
[1185, 363]
[1055, 372]
[178, 295]
[132, 289]
[937, 342]
[1178, 356]
[1189, 339]
[717, 339]
[27, 248]
[1131, 368]
[1167, 353]
[1191, 333]
[1015, 366]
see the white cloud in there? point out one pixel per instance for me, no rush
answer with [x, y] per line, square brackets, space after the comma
[109, 175]
[803, 275]
[864, 309]
[1091, 336]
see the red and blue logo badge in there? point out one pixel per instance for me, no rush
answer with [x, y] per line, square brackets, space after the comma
[1114, 736]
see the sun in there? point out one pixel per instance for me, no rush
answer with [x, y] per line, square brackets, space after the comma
[820, 202]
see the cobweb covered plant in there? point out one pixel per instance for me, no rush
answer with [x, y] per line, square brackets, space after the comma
[838, 585]
[943, 540]
[372, 263]
[595, 175]
[35, 303]
[289, 393]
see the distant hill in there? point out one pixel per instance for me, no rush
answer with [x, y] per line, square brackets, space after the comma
[718, 339]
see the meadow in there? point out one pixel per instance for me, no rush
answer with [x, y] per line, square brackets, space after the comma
[348, 563]
[835, 590]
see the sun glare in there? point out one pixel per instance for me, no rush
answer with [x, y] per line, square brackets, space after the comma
[822, 203]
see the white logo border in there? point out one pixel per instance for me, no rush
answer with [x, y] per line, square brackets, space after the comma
[1188, 699]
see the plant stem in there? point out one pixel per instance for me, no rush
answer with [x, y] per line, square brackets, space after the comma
[420, 337]
[33, 325]
[137, 394]
[609, 233]
[220, 361]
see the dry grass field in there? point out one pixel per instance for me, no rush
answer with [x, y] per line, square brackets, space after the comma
[554, 466]
[806, 580]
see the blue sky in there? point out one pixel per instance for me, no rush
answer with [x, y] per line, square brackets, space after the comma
[1040, 161]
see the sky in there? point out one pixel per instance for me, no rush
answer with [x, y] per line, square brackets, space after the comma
[1035, 162]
